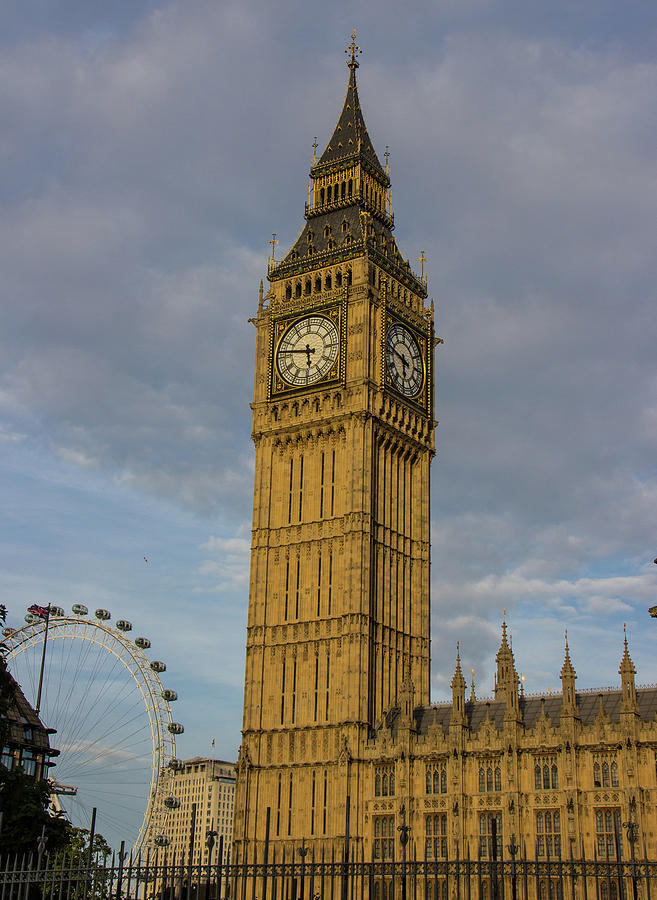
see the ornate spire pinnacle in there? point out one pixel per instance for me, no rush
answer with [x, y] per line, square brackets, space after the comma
[506, 679]
[458, 681]
[626, 665]
[568, 676]
[458, 692]
[350, 139]
[473, 696]
[629, 701]
[352, 51]
[567, 668]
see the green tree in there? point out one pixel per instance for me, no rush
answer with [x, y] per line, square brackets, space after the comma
[76, 874]
[24, 803]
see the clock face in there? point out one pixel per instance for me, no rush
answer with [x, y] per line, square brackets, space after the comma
[404, 361]
[307, 350]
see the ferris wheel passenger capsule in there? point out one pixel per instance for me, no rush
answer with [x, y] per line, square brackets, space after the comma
[124, 625]
[31, 619]
[57, 611]
[8, 631]
[162, 840]
[103, 614]
[170, 696]
[176, 728]
[171, 802]
[158, 666]
[79, 609]
[143, 643]
[176, 764]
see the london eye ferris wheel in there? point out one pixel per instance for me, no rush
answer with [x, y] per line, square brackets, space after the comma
[93, 683]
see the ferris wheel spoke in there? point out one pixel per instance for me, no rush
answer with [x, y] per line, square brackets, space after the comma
[86, 758]
[96, 706]
[85, 751]
[109, 725]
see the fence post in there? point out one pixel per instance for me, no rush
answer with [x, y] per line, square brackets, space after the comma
[345, 851]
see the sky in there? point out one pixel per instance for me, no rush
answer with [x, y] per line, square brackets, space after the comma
[148, 150]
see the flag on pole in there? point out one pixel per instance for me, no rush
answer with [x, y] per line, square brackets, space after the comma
[41, 611]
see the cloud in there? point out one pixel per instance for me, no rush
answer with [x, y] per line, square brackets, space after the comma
[142, 186]
[230, 563]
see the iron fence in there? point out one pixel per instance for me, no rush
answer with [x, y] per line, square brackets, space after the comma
[162, 877]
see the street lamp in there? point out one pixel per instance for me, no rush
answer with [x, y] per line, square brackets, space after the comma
[210, 836]
[403, 830]
[302, 851]
[632, 829]
[513, 848]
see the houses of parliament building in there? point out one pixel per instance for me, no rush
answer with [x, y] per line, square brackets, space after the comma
[339, 735]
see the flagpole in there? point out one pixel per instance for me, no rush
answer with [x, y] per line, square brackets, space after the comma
[43, 661]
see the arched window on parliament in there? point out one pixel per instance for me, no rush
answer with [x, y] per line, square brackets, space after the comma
[546, 773]
[384, 781]
[384, 837]
[490, 777]
[436, 778]
[435, 846]
[605, 772]
[548, 832]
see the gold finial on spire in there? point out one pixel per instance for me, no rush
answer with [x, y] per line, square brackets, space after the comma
[422, 259]
[273, 243]
[387, 159]
[315, 146]
[352, 51]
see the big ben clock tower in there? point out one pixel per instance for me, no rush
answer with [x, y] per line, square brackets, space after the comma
[343, 426]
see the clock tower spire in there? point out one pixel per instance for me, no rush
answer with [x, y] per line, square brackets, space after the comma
[343, 427]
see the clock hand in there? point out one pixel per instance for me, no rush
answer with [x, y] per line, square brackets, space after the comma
[403, 360]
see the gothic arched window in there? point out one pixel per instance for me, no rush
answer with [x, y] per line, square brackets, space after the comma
[597, 780]
[377, 785]
[555, 777]
[605, 775]
[489, 778]
[537, 777]
[482, 779]
[546, 777]
[443, 781]
[614, 774]
[498, 778]
[338, 278]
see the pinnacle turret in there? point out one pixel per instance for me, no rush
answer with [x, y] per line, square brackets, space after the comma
[458, 693]
[626, 670]
[568, 676]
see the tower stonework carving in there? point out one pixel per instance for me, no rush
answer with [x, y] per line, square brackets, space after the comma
[344, 435]
[338, 726]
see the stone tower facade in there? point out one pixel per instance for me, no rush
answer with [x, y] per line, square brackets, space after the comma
[338, 619]
[339, 737]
